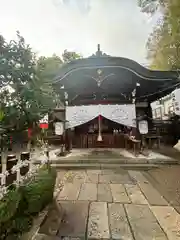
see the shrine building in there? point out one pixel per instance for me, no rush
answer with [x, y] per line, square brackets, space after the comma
[106, 97]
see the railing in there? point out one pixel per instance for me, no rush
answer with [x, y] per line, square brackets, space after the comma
[15, 171]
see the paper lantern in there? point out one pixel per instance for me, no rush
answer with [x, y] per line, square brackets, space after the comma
[43, 125]
[59, 128]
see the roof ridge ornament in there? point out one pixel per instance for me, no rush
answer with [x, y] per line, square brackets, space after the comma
[99, 53]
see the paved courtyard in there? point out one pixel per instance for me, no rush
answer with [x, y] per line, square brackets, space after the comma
[114, 204]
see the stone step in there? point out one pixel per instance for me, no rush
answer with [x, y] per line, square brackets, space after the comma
[116, 161]
[112, 161]
[72, 166]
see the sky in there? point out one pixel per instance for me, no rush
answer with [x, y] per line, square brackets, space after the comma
[51, 26]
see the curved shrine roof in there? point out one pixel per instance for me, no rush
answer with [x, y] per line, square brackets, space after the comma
[115, 75]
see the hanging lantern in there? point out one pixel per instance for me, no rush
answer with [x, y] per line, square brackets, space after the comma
[59, 128]
[99, 139]
[43, 123]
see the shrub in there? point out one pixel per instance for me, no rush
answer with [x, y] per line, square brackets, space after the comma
[9, 204]
[19, 206]
[38, 192]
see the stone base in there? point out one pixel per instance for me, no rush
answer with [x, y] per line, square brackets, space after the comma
[177, 146]
[46, 225]
[51, 223]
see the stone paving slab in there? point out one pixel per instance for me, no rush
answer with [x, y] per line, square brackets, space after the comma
[169, 220]
[45, 237]
[113, 171]
[115, 178]
[144, 223]
[76, 176]
[88, 192]
[104, 193]
[119, 226]
[98, 227]
[74, 224]
[61, 175]
[70, 191]
[105, 178]
[91, 177]
[92, 171]
[119, 193]
[71, 238]
[135, 194]
[151, 194]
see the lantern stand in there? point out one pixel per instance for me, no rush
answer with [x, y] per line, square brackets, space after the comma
[60, 130]
[62, 110]
[142, 132]
[44, 124]
[2, 132]
[62, 151]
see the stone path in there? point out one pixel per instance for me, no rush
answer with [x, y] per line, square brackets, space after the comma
[115, 204]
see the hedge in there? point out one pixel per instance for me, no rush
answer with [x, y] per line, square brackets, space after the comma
[19, 206]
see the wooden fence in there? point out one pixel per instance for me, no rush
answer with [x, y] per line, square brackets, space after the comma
[15, 171]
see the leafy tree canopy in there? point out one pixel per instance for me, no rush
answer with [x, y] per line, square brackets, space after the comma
[151, 6]
[69, 56]
[164, 43]
[26, 92]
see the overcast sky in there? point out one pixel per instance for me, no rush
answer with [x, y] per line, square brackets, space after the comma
[50, 26]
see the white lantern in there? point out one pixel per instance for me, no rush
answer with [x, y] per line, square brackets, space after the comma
[143, 127]
[59, 128]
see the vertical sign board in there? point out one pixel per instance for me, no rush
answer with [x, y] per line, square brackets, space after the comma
[176, 101]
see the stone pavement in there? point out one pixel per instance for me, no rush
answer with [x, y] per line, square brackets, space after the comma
[114, 204]
[167, 181]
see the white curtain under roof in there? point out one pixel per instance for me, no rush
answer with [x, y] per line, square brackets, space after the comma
[122, 114]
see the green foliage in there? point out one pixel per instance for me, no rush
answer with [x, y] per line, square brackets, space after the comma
[69, 56]
[164, 44]
[26, 89]
[18, 207]
[9, 205]
[48, 67]
[26, 83]
[1, 115]
[150, 6]
[38, 192]
[21, 224]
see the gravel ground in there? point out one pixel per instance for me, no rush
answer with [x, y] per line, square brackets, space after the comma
[167, 181]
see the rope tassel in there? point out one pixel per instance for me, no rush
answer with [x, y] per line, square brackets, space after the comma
[99, 139]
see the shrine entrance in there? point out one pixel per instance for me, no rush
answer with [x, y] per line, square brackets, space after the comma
[97, 126]
[110, 134]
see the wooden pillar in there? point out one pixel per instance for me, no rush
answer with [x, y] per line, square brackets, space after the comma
[11, 161]
[149, 115]
[68, 140]
[24, 156]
